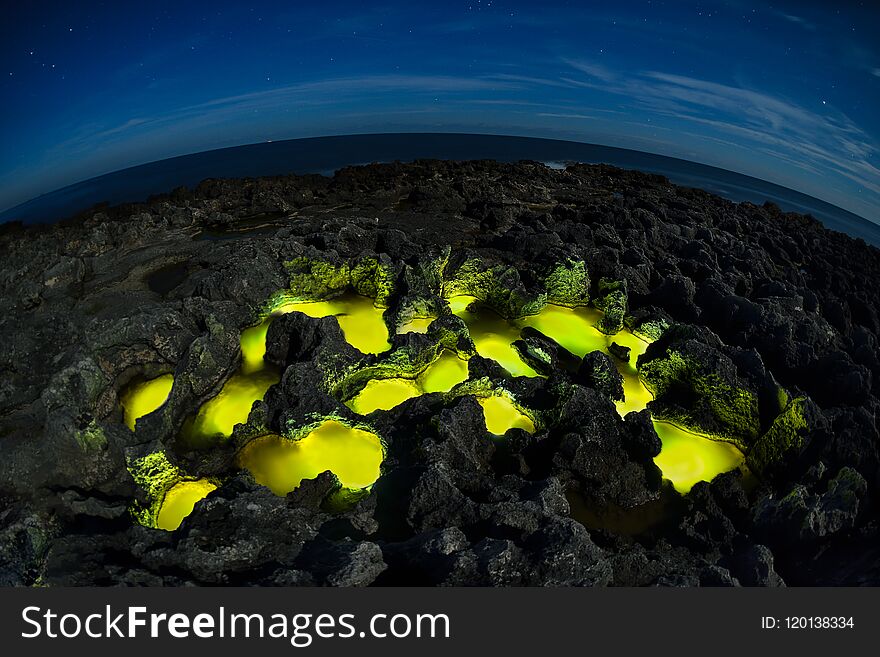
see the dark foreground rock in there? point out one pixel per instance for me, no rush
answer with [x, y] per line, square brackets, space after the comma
[766, 326]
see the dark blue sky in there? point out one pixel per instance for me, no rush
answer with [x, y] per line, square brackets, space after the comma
[789, 93]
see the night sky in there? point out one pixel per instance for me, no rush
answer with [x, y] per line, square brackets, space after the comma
[789, 93]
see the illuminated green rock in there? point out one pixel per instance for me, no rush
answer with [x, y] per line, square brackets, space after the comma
[316, 279]
[92, 438]
[498, 286]
[374, 278]
[170, 495]
[568, 284]
[612, 301]
[786, 434]
[651, 328]
[697, 387]
[155, 475]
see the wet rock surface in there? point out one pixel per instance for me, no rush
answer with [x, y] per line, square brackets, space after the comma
[766, 330]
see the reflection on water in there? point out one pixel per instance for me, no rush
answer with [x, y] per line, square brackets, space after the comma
[492, 335]
[232, 405]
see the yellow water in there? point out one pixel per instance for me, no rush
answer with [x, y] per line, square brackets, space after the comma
[444, 373]
[447, 371]
[144, 397]
[571, 328]
[416, 325]
[179, 502]
[501, 414]
[353, 455]
[687, 458]
[493, 335]
[360, 320]
[383, 394]
[253, 346]
[232, 405]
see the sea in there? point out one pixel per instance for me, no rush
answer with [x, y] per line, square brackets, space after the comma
[324, 155]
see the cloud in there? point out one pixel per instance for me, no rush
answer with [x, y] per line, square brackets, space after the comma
[876, 71]
[592, 69]
[821, 142]
[797, 20]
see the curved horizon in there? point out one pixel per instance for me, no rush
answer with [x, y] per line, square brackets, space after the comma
[10, 209]
[783, 94]
[594, 152]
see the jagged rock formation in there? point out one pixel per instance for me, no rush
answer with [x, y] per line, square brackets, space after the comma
[766, 329]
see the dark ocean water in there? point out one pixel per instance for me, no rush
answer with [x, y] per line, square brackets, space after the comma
[326, 154]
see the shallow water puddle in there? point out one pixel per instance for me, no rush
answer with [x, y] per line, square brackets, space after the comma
[415, 325]
[447, 371]
[232, 405]
[359, 318]
[179, 502]
[218, 416]
[144, 397]
[353, 455]
[572, 328]
[687, 458]
[493, 336]
[501, 414]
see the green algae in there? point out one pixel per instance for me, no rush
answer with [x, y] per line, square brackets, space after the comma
[612, 301]
[734, 410]
[786, 433]
[170, 495]
[313, 278]
[92, 438]
[568, 284]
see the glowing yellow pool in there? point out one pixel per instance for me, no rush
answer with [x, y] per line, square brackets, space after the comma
[493, 335]
[416, 325]
[232, 405]
[179, 502]
[353, 455]
[383, 394]
[359, 318]
[687, 458]
[253, 346]
[501, 414]
[571, 328]
[447, 371]
[144, 397]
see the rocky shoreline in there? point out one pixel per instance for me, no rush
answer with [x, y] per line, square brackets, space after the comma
[765, 332]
